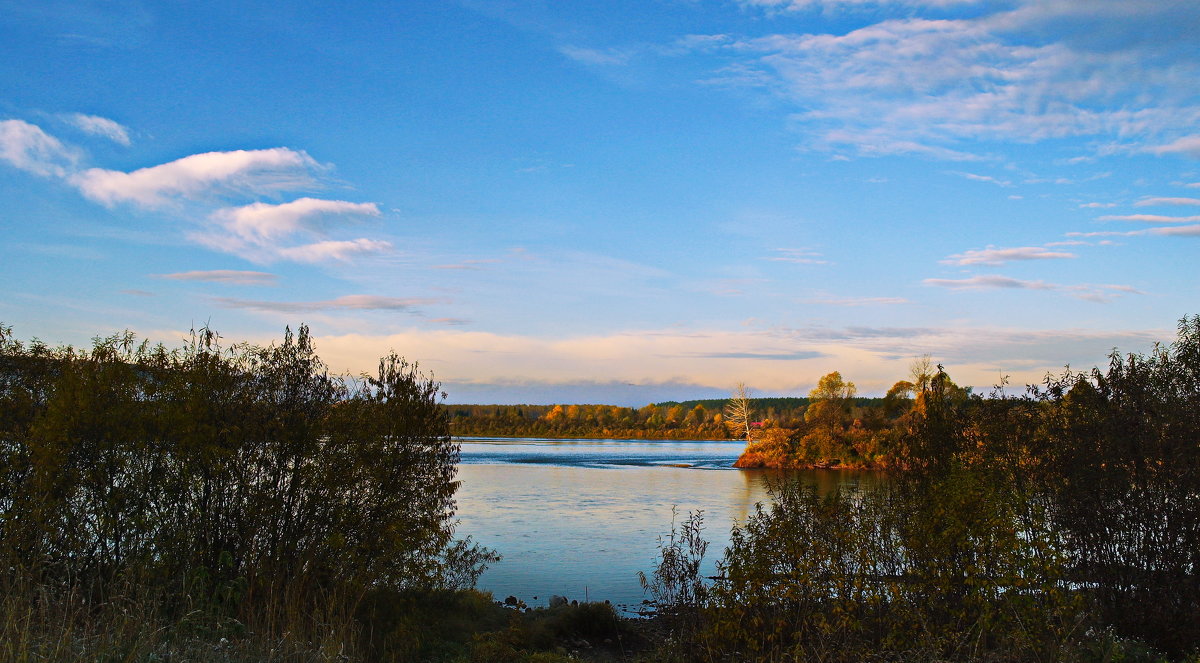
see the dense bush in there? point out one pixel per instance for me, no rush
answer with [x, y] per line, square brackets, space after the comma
[244, 482]
[1062, 523]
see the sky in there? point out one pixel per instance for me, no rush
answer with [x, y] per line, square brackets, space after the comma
[609, 201]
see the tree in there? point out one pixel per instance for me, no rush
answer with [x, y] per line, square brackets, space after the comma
[207, 465]
[831, 400]
[738, 414]
[898, 399]
[922, 371]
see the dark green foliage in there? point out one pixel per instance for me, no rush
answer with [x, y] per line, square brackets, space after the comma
[420, 625]
[878, 575]
[1122, 450]
[675, 584]
[1059, 524]
[245, 482]
[559, 633]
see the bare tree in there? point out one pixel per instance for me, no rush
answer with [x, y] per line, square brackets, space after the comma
[737, 411]
[921, 371]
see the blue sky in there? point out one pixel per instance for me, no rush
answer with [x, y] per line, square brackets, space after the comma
[609, 201]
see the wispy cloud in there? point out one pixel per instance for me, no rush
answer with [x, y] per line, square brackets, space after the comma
[1150, 218]
[468, 264]
[772, 356]
[995, 256]
[1180, 231]
[259, 231]
[1097, 205]
[1086, 291]
[1107, 233]
[798, 256]
[594, 56]
[339, 250]
[803, 5]
[1100, 293]
[230, 276]
[856, 301]
[264, 222]
[26, 147]
[1149, 202]
[100, 126]
[1017, 72]
[1187, 146]
[264, 232]
[1069, 242]
[989, 282]
[981, 178]
[252, 172]
[344, 303]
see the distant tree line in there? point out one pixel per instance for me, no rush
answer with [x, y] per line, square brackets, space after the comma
[688, 420]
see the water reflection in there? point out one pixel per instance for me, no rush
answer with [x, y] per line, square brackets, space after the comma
[580, 518]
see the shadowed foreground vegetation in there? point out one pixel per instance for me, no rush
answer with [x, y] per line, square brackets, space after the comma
[1059, 524]
[155, 503]
[240, 503]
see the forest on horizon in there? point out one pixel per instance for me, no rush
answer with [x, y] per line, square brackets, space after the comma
[700, 419]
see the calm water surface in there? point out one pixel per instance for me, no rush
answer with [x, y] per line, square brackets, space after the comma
[580, 518]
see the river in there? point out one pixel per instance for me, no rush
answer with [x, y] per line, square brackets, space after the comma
[580, 518]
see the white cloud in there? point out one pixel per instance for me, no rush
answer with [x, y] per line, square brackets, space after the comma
[235, 277]
[1148, 202]
[100, 126]
[697, 42]
[1187, 146]
[1150, 218]
[243, 171]
[802, 5]
[1019, 72]
[988, 282]
[594, 56]
[1097, 205]
[1182, 231]
[1108, 233]
[473, 264]
[798, 256]
[27, 147]
[344, 303]
[876, 143]
[262, 222]
[264, 232]
[1100, 292]
[982, 178]
[994, 256]
[340, 250]
[256, 231]
[856, 301]
[1086, 291]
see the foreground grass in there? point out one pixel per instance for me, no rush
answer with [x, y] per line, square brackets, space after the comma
[51, 624]
[43, 624]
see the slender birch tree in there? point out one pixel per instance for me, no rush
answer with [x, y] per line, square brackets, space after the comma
[738, 414]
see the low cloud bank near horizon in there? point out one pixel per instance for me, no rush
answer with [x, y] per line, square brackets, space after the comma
[575, 393]
[646, 366]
